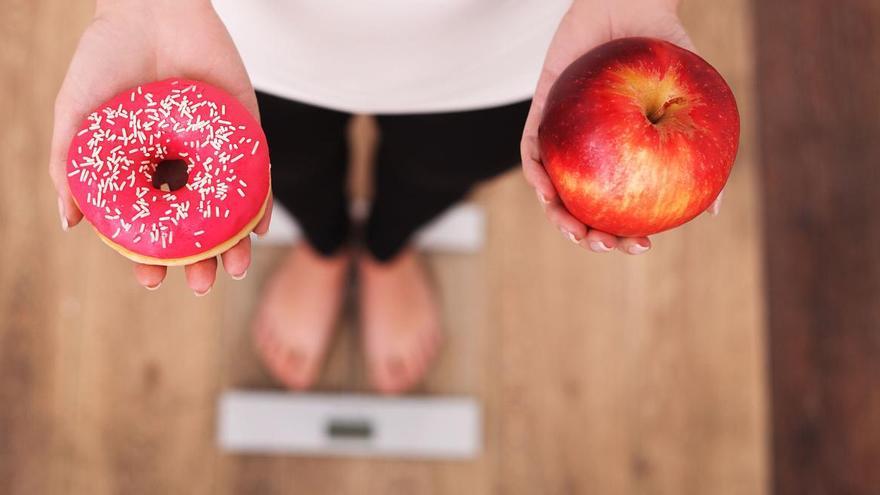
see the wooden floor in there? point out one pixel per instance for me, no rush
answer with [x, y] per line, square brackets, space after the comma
[599, 374]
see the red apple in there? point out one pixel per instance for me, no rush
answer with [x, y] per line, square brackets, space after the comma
[638, 136]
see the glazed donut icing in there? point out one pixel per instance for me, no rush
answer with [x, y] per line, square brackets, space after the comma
[116, 151]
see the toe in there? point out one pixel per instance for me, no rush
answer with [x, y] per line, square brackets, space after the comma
[291, 372]
[389, 374]
[430, 344]
[280, 362]
[260, 336]
[302, 371]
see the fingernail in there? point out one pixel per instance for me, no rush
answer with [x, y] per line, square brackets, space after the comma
[153, 287]
[599, 247]
[201, 294]
[543, 199]
[571, 236]
[637, 249]
[64, 225]
[240, 276]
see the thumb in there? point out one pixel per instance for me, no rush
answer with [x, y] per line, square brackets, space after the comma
[248, 98]
[62, 133]
[715, 209]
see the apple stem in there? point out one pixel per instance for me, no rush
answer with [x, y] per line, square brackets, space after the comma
[657, 114]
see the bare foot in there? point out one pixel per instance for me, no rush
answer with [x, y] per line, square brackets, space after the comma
[298, 314]
[400, 321]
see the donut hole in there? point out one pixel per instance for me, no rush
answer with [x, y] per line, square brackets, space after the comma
[170, 175]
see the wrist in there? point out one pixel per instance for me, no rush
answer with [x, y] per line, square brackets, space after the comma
[589, 7]
[102, 6]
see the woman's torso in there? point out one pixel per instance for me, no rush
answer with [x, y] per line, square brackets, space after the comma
[394, 56]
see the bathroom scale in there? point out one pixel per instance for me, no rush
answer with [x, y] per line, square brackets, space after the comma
[276, 422]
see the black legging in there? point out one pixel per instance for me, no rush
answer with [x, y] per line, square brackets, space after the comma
[425, 163]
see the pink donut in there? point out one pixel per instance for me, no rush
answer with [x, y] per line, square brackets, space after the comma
[171, 172]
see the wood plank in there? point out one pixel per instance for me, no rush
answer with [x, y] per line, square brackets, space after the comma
[819, 74]
[637, 375]
[41, 317]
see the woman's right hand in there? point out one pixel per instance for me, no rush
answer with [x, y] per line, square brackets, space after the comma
[130, 42]
[588, 24]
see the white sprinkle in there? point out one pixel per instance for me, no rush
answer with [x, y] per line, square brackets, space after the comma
[240, 192]
[254, 151]
[237, 158]
[198, 244]
[198, 232]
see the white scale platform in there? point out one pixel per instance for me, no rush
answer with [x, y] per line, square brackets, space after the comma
[433, 427]
[460, 229]
[349, 425]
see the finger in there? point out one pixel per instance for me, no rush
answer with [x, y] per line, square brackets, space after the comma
[263, 226]
[534, 171]
[634, 245]
[248, 98]
[715, 209]
[600, 242]
[200, 276]
[237, 259]
[150, 276]
[682, 39]
[530, 152]
[570, 227]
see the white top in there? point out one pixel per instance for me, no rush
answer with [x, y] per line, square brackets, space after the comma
[394, 56]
